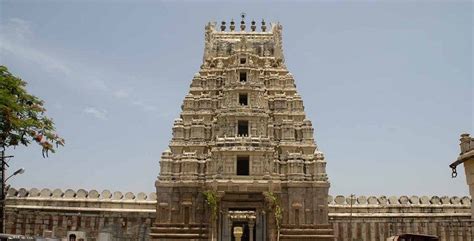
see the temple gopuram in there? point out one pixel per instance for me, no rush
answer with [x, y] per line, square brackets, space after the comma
[242, 163]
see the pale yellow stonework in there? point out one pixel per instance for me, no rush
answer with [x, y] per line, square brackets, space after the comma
[129, 216]
[243, 135]
[466, 157]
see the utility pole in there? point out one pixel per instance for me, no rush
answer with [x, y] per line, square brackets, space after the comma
[3, 167]
[2, 193]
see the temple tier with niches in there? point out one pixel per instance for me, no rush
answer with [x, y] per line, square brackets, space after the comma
[242, 149]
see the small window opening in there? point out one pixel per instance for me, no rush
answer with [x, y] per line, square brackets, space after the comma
[243, 60]
[243, 165]
[243, 128]
[243, 76]
[243, 99]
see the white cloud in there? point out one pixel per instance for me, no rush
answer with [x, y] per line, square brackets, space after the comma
[144, 106]
[17, 28]
[99, 84]
[14, 39]
[95, 112]
[121, 93]
[49, 63]
[18, 40]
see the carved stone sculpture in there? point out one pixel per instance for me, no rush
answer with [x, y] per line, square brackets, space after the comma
[259, 143]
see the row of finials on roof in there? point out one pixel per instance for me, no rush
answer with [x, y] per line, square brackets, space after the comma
[253, 27]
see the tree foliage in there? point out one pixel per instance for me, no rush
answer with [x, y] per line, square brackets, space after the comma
[212, 201]
[275, 206]
[22, 116]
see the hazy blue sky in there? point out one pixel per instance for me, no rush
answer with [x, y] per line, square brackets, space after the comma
[388, 86]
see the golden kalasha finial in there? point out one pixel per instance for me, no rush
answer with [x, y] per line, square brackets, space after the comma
[232, 25]
[223, 26]
[242, 22]
[253, 27]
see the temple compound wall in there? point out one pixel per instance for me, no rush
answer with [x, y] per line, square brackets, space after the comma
[116, 216]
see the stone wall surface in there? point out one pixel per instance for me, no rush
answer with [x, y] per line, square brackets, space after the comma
[467, 157]
[34, 212]
[376, 218]
[129, 216]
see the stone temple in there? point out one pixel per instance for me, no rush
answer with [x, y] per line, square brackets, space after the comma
[242, 163]
[241, 151]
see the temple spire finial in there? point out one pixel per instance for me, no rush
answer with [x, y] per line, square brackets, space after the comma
[232, 25]
[253, 26]
[264, 27]
[242, 22]
[223, 26]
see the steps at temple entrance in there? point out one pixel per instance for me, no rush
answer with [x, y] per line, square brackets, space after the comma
[319, 232]
[176, 231]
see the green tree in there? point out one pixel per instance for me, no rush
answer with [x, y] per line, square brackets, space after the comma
[22, 116]
[275, 206]
[212, 201]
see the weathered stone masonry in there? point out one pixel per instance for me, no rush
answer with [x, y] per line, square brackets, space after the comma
[467, 157]
[35, 213]
[376, 218]
[130, 216]
[243, 136]
[242, 140]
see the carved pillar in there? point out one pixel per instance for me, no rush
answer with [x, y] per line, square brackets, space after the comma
[363, 230]
[345, 231]
[335, 226]
[442, 232]
[220, 223]
[225, 225]
[409, 227]
[373, 230]
[469, 231]
[353, 230]
[459, 234]
[433, 228]
[229, 227]
[258, 225]
[251, 225]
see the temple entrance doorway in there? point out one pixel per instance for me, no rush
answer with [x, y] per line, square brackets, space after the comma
[245, 219]
[242, 213]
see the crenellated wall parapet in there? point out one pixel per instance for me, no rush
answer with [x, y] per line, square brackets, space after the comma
[467, 143]
[398, 207]
[80, 194]
[335, 202]
[402, 201]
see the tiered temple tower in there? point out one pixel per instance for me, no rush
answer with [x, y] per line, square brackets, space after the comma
[242, 149]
